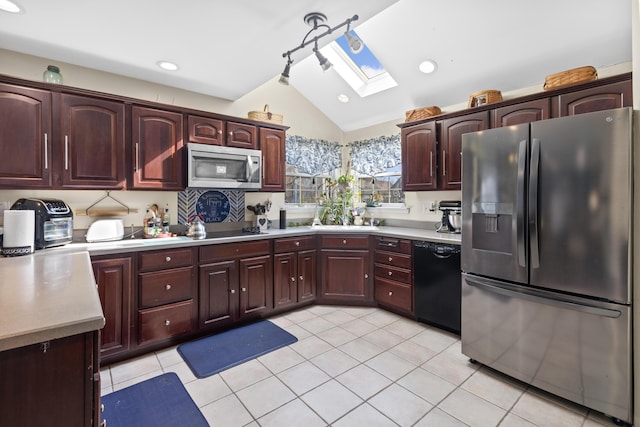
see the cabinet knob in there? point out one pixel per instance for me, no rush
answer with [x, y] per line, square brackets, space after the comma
[344, 241]
[167, 322]
[230, 133]
[390, 293]
[293, 279]
[390, 273]
[390, 259]
[233, 291]
[168, 259]
[366, 276]
[297, 243]
[301, 278]
[244, 289]
[220, 132]
[168, 287]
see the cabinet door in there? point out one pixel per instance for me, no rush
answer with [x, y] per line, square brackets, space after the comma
[451, 147]
[218, 293]
[272, 144]
[25, 137]
[157, 145]
[307, 275]
[206, 130]
[91, 143]
[418, 145]
[345, 275]
[524, 112]
[242, 135]
[115, 287]
[605, 97]
[284, 279]
[49, 384]
[256, 286]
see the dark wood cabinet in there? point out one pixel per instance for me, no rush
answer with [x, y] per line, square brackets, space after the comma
[25, 137]
[206, 130]
[272, 144]
[90, 144]
[419, 157]
[598, 98]
[157, 143]
[294, 271]
[451, 131]
[54, 383]
[523, 112]
[167, 295]
[242, 135]
[235, 282]
[345, 270]
[114, 277]
[393, 274]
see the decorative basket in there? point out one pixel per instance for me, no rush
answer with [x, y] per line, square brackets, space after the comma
[570, 77]
[422, 113]
[483, 97]
[266, 116]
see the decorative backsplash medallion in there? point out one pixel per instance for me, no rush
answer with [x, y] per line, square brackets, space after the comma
[212, 205]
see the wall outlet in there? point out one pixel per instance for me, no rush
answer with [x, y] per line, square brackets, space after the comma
[429, 207]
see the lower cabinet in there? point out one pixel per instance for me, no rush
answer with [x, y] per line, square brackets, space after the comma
[167, 294]
[345, 270]
[235, 282]
[294, 271]
[58, 383]
[114, 277]
[393, 275]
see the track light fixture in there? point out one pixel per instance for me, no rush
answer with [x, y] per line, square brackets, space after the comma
[317, 21]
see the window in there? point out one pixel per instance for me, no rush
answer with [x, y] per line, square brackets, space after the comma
[302, 188]
[385, 187]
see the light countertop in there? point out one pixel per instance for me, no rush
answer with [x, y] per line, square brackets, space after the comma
[47, 297]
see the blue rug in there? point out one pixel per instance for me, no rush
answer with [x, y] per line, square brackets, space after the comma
[208, 356]
[157, 402]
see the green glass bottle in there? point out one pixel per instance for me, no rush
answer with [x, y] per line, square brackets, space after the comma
[52, 75]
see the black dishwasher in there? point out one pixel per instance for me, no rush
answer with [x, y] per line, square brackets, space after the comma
[437, 284]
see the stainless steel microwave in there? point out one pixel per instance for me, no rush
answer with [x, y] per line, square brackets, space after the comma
[214, 166]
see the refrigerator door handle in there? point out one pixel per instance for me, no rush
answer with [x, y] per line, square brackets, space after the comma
[540, 297]
[520, 202]
[533, 202]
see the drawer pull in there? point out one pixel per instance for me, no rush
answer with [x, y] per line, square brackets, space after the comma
[293, 279]
[390, 273]
[344, 241]
[390, 293]
[233, 291]
[167, 322]
[390, 259]
[168, 259]
[297, 243]
[244, 289]
[168, 287]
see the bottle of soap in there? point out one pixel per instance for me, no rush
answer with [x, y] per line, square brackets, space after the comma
[148, 223]
[166, 219]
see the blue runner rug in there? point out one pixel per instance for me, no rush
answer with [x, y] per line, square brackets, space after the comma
[157, 402]
[208, 356]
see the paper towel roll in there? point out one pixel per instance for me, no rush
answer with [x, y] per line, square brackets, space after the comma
[19, 232]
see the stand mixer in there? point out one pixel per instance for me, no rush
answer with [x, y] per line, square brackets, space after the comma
[451, 216]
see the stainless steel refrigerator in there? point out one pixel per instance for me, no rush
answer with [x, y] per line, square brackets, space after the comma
[546, 255]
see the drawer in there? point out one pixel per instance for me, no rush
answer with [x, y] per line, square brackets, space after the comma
[393, 294]
[344, 242]
[294, 244]
[164, 287]
[393, 258]
[393, 244]
[233, 250]
[160, 260]
[392, 273]
[166, 321]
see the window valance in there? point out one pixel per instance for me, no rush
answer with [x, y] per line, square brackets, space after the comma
[312, 156]
[376, 155]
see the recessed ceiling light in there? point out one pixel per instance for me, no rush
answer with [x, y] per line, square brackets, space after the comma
[343, 98]
[9, 6]
[428, 66]
[166, 65]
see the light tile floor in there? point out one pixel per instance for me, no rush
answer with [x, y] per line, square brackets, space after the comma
[357, 366]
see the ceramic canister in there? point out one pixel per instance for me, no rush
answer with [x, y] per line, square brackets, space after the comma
[19, 231]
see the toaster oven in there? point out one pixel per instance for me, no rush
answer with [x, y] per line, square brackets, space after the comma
[53, 221]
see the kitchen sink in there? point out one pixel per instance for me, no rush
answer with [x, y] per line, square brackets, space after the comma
[344, 228]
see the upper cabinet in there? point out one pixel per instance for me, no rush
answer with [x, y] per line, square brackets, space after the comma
[242, 135]
[418, 147]
[91, 143]
[605, 97]
[206, 130]
[523, 112]
[157, 149]
[25, 137]
[272, 144]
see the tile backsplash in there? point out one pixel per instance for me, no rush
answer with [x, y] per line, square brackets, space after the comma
[212, 205]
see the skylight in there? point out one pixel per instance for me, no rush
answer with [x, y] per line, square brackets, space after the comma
[362, 71]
